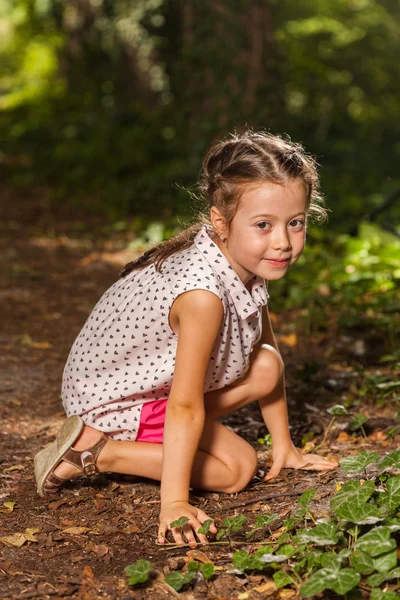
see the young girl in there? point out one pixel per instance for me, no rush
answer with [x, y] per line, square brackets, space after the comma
[166, 351]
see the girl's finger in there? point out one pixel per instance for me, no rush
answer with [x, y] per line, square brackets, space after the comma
[189, 535]
[176, 532]
[274, 470]
[161, 532]
[202, 516]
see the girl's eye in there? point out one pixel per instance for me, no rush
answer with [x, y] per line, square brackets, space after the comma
[264, 225]
[296, 223]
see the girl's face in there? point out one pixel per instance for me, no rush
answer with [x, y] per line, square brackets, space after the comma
[267, 233]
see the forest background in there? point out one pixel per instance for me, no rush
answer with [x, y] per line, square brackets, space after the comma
[106, 109]
[111, 105]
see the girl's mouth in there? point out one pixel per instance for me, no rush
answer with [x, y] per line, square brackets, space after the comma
[277, 263]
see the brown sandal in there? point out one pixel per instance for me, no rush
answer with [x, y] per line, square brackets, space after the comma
[85, 460]
[61, 449]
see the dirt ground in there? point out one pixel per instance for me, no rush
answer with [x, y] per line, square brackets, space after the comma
[56, 262]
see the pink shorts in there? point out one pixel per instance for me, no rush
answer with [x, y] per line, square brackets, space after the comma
[151, 426]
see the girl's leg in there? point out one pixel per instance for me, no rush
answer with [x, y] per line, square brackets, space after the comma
[224, 462]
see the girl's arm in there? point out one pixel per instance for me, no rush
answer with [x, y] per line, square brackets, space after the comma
[200, 315]
[274, 411]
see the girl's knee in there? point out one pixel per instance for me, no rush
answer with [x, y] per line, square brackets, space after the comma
[243, 470]
[267, 369]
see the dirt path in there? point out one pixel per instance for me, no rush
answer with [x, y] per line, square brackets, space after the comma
[55, 266]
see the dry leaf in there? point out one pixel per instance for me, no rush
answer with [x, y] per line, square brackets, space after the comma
[16, 539]
[198, 555]
[87, 571]
[131, 529]
[243, 596]
[14, 468]
[9, 507]
[308, 447]
[289, 340]
[76, 530]
[343, 437]
[29, 534]
[44, 345]
[101, 550]
[267, 588]
[57, 503]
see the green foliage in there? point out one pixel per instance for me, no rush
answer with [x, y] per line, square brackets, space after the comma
[177, 580]
[205, 528]
[138, 572]
[180, 522]
[231, 524]
[359, 462]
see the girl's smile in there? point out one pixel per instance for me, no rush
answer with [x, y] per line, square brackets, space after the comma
[267, 233]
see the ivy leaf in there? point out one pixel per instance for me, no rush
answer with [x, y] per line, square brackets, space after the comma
[391, 461]
[231, 524]
[338, 411]
[358, 420]
[270, 558]
[331, 561]
[176, 580]
[287, 550]
[261, 522]
[179, 522]
[376, 542]
[385, 562]
[341, 582]
[347, 579]
[362, 514]
[208, 570]
[377, 594]
[138, 572]
[306, 498]
[390, 500]
[352, 491]
[240, 560]
[281, 579]
[316, 584]
[378, 578]
[323, 534]
[205, 528]
[362, 562]
[358, 463]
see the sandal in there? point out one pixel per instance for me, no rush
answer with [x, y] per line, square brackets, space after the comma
[46, 461]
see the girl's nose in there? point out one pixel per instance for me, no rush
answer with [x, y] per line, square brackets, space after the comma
[281, 240]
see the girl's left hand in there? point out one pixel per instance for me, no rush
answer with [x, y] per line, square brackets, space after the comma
[292, 458]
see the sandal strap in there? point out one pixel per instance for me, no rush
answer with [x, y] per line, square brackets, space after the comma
[85, 460]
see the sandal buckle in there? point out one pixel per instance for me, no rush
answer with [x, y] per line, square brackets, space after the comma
[88, 464]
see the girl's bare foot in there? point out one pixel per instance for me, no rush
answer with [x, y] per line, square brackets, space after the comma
[87, 439]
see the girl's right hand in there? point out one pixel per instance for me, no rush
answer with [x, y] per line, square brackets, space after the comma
[172, 512]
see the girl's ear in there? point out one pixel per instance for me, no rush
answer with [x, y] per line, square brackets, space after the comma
[218, 221]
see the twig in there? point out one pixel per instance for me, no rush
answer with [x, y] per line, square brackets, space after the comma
[173, 546]
[267, 497]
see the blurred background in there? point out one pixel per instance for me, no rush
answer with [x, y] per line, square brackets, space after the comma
[109, 106]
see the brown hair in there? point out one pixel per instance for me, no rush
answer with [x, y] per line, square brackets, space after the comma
[244, 158]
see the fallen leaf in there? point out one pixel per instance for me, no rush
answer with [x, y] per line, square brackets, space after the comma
[198, 555]
[76, 530]
[131, 529]
[343, 437]
[377, 436]
[87, 571]
[308, 447]
[289, 340]
[14, 468]
[44, 345]
[101, 550]
[16, 539]
[243, 596]
[57, 503]
[9, 507]
[267, 588]
[19, 539]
